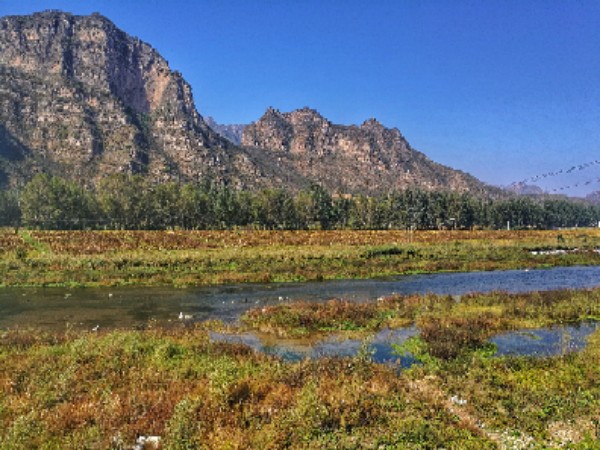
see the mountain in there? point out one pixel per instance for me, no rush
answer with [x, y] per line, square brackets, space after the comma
[522, 188]
[82, 99]
[350, 159]
[593, 197]
[233, 133]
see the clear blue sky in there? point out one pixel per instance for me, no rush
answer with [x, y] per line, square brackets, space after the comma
[504, 90]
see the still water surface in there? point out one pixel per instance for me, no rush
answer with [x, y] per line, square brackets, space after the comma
[57, 308]
[549, 341]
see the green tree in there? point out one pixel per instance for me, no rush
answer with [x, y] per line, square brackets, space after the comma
[274, 209]
[122, 199]
[54, 203]
[324, 213]
[164, 203]
[10, 211]
[195, 208]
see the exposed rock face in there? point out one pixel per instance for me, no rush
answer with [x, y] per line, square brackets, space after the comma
[233, 133]
[81, 98]
[348, 159]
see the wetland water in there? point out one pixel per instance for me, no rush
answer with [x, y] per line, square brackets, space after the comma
[548, 341]
[126, 307]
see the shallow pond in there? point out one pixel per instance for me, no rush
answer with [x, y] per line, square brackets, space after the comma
[379, 347]
[551, 341]
[57, 308]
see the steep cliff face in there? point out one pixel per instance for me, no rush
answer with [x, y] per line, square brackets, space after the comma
[90, 50]
[349, 159]
[81, 98]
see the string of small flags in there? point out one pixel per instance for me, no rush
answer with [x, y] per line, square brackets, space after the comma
[575, 168]
[566, 188]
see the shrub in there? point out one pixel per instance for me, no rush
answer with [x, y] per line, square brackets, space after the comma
[447, 337]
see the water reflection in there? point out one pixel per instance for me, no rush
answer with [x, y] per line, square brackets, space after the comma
[556, 340]
[379, 347]
[550, 341]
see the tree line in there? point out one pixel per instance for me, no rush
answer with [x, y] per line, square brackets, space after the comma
[133, 202]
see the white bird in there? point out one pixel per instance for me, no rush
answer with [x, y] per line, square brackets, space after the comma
[183, 316]
[96, 328]
[457, 400]
[144, 442]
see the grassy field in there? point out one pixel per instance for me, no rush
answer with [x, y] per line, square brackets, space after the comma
[104, 389]
[108, 258]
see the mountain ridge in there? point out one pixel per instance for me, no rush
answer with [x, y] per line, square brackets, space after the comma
[352, 158]
[82, 99]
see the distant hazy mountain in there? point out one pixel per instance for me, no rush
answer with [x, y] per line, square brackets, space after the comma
[232, 133]
[82, 99]
[525, 189]
[594, 197]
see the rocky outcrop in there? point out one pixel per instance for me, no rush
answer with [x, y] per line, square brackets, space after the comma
[368, 158]
[81, 98]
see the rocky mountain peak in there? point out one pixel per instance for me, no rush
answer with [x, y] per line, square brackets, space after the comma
[90, 50]
[367, 158]
[84, 99]
[306, 113]
[372, 124]
[272, 114]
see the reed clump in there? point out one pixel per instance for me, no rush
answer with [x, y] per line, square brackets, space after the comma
[101, 390]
